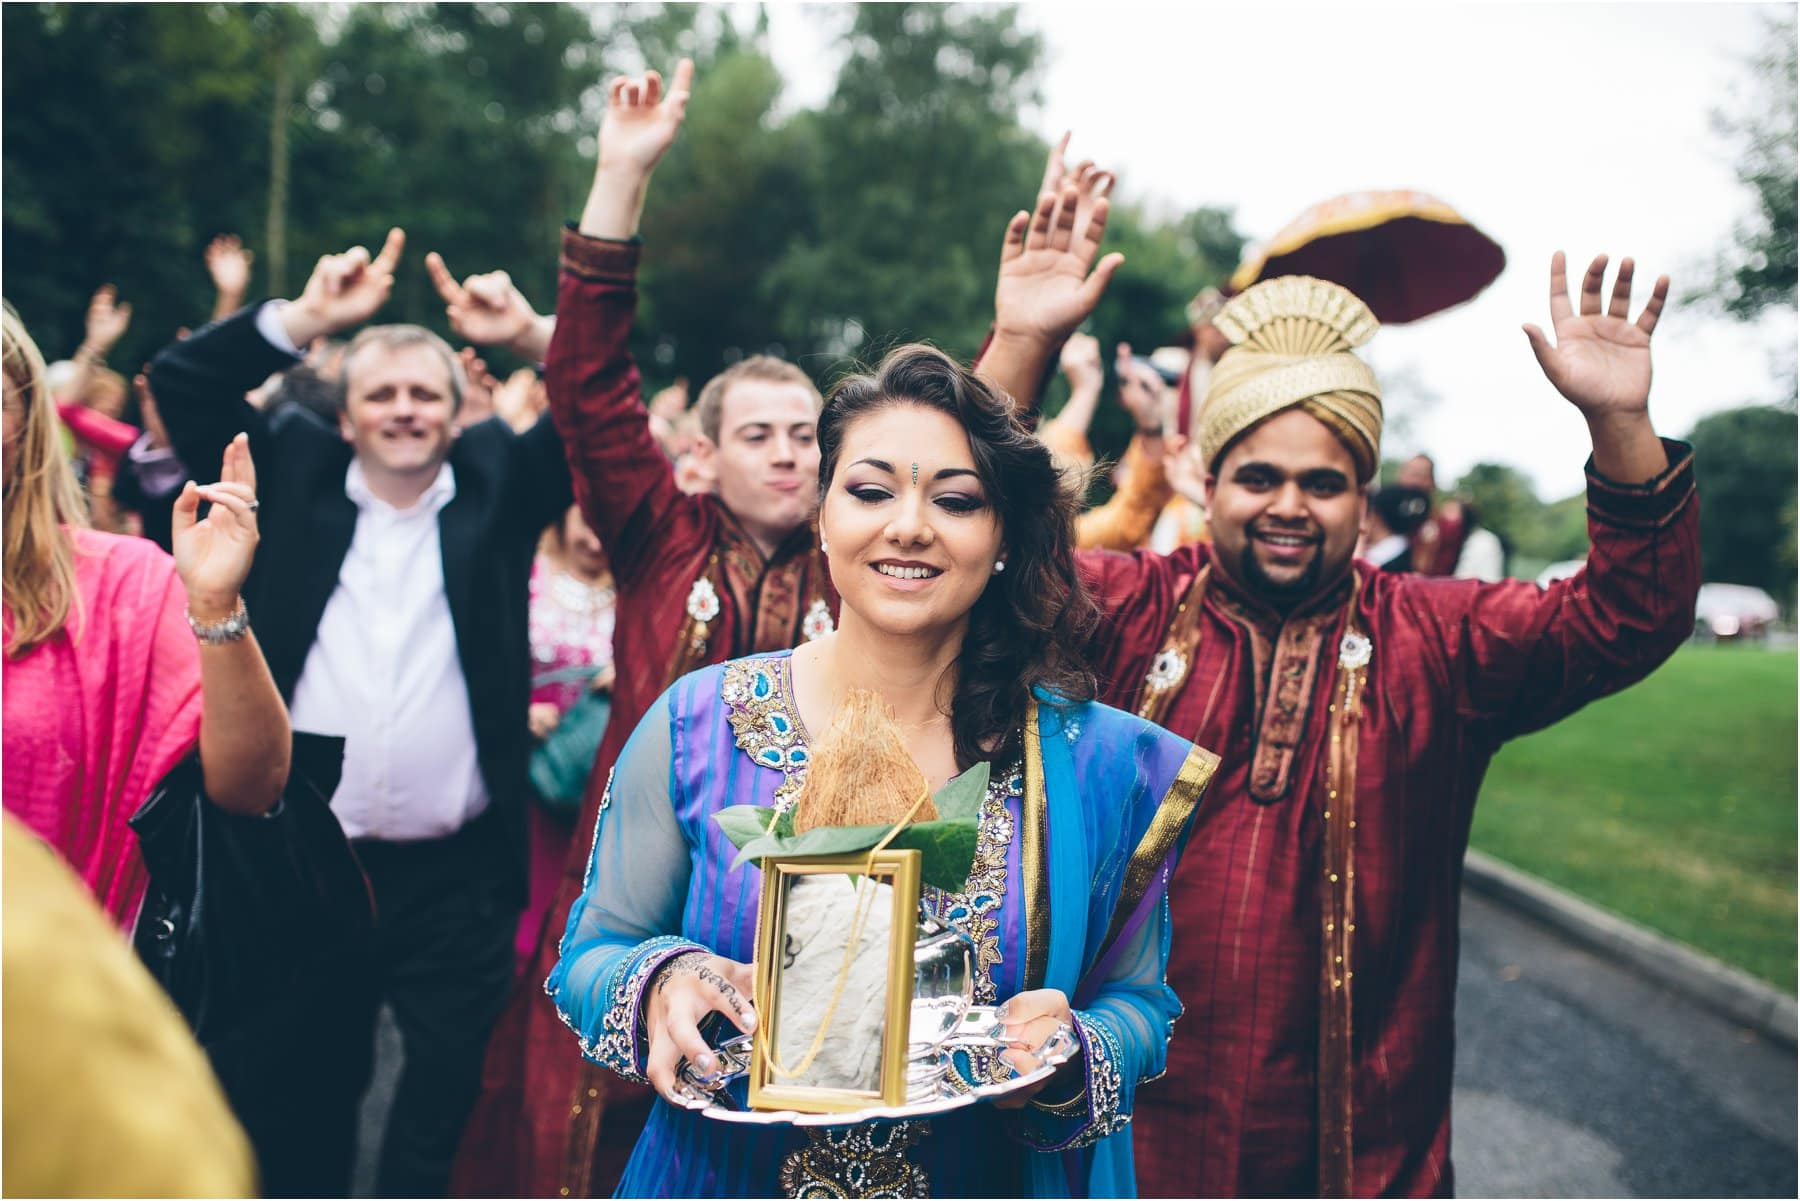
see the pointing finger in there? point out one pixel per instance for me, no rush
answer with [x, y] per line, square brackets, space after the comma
[390, 251]
[446, 284]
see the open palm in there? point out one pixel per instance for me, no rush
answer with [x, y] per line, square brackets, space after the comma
[1601, 359]
[1045, 288]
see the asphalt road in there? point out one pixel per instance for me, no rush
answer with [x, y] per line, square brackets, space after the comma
[1574, 1078]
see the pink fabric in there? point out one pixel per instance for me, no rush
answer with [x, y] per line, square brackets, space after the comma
[558, 640]
[109, 437]
[96, 716]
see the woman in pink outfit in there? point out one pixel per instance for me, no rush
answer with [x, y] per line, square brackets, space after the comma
[119, 660]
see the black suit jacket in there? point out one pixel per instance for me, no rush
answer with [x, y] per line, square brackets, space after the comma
[508, 488]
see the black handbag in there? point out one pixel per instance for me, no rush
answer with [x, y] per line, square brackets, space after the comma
[245, 913]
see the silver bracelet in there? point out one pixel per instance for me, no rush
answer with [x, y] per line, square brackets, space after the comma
[217, 633]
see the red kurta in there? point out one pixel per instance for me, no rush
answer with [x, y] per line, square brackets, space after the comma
[545, 1115]
[1459, 667]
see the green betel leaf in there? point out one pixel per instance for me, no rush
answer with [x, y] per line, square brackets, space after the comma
[744, 824]
[962, 796]
[946, 851]
[946, 848]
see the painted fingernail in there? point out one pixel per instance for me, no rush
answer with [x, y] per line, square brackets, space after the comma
[749, 1022]
[707, 1064]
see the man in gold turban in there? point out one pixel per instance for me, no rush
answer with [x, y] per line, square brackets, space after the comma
[1315, 910]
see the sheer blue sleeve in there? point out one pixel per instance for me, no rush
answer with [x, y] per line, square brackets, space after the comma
[1124, 1041]
[622, 928]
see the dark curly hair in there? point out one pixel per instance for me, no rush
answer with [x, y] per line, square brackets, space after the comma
[1029, 626]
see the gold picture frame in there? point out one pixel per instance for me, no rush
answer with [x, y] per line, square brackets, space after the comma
[884, 1083]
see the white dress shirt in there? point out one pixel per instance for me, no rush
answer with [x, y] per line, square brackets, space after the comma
[383, 673]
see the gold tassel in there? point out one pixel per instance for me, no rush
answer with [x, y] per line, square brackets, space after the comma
[860, 773]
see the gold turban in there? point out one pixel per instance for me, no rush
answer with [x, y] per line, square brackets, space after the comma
[1291, 341]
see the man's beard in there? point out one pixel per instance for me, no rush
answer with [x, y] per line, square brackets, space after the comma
[1281, 594]
[1275, 591]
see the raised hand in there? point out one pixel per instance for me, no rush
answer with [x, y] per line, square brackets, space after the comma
[107, 321]
[521, 400]
[1601, 360]
[487, 310]
[1046, 287]
[153, 422]
[1081, 363]
[1141, 391]
[640, 124]
[478, 388]
[642, 118]
[1085, 176]
[345, 290]
[229, 265]
[213, 556]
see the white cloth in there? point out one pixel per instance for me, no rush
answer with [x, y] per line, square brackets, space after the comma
[1387, 550]
[268, 324]
[1482, 557]
[383, 673]
[821, 911]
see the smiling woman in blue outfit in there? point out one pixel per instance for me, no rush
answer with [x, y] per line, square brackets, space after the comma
[949, 534]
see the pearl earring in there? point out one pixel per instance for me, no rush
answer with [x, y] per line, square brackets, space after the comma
[999, 566]
[822, 547]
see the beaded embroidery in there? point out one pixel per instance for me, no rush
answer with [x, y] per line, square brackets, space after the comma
[974, 909]
[763, 722]
[856, 1161]
[1104, 1085]
[617, 1046]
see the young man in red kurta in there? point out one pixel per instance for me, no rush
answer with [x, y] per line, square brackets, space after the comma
[701, 579]
[1316, 908]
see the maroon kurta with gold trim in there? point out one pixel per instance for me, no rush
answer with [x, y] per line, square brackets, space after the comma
[1458, 667]
[548, 1124]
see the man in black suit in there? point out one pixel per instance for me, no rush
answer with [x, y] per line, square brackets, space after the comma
[391, 597]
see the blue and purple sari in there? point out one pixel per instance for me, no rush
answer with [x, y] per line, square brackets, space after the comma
[1075, 847]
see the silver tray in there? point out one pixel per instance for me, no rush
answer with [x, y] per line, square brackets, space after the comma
[939, 1086]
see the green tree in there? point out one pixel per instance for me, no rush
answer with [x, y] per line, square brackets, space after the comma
[1762, 268]
[916, 163]
[729, 202]
[459, 122]
[1536, 534]
[1744, 464]
[131, 135]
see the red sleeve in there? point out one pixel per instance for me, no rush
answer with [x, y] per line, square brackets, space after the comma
[1137, 594]
[1516, 657]
[622, 480]
[110, 437]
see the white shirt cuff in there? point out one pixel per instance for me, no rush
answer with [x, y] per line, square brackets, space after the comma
[268, 324]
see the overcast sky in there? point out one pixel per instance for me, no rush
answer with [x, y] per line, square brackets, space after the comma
[1580, 127]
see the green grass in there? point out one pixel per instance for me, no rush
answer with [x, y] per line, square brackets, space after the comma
[1672, 803]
